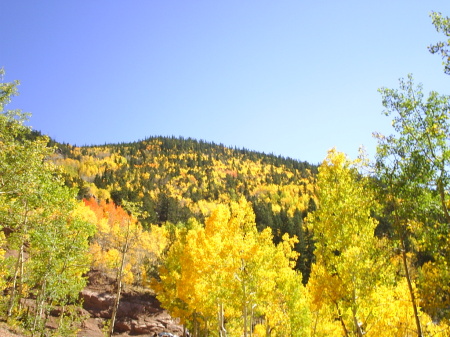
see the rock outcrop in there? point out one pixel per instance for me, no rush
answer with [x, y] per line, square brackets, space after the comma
[139, 312]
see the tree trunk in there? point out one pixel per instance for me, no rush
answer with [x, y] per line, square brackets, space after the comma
[195, 325]
[18, 271]
[411, 290]
[342, 320]
[358, 329]
[119, 281]
[40, 301]
[357, 326]
[222, 330]
[251, 320]
[115, 307]
[61, 317]
[268, 330]
[245, 314]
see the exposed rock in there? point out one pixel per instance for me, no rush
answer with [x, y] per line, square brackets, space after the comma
[98, 304]
[91, 327]
[139, 312]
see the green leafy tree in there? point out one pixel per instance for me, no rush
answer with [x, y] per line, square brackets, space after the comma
[442, 24]
[39, 217]
[412, 167]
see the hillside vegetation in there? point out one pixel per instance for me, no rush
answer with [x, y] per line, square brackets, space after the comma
[234, 242]
[172, 180]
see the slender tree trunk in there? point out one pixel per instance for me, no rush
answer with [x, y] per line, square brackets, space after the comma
[17, 271]
[40, 300]
[355, 319]
[411, 290]
[219, 320]
[407, 274]
[341, 320]
[315, 323]
[61, 317]
[251, 320]
[119, 281]
[268, 330]
[222, 330]
[195, 325]
[245, 315]
[115, 307]
[357, 326]
[22, 262]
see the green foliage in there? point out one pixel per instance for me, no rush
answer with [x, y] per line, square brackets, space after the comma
[279, 254]
[49, 240]
[413, 171]
[442, 25]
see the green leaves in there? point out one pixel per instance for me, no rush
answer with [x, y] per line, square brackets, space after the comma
[442, 25]
[416, 159]
[7, 90]
[43, 228]
[412, 169]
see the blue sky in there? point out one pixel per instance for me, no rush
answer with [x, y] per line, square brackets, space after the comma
[293, 78]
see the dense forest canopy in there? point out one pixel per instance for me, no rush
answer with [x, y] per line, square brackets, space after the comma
[235, 242]
[175, 179]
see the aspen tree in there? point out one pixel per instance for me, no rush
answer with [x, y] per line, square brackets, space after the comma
[414, 180]
[225, 275]
[122, 248]
[39, 215]
[349, 262]
[442, 25]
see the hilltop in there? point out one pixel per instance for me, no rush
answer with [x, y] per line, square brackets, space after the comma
[175, 179]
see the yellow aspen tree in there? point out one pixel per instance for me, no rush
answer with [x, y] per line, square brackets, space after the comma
[223, 276]
[121, 246]
[207, 260]
[281, 299]
[349, 262]
[209, 278]
[169, 276]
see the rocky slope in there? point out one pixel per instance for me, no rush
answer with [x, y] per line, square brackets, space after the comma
[139, 312]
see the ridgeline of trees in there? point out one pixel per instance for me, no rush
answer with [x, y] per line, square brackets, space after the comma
[234, 242]
[173, 180]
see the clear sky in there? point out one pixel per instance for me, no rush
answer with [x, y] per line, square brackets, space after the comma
[293, 78]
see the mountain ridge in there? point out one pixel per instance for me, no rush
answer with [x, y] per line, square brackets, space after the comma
[174, 179]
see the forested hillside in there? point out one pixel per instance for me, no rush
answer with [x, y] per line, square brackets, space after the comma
[175, 179]
[233, 242]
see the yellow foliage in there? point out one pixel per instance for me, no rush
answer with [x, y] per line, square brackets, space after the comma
[435, 286]
[84, 213]
[120, 235]
[392, 314]
[3, 269]
[229, 264]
